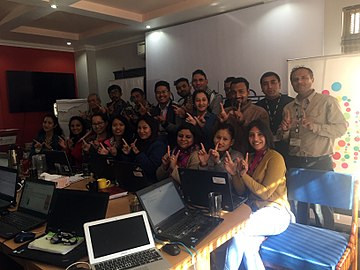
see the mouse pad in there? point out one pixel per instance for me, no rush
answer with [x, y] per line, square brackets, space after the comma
[50, 258]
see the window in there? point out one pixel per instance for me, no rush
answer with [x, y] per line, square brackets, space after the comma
[350, 42]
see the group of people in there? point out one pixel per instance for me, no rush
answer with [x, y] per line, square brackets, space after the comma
[254, 143]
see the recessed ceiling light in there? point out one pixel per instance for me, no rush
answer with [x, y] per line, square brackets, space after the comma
[148, 27]
[68, 43]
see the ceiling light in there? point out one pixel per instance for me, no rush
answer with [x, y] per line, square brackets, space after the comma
[148, 27]
[68, 43]
[53, 4]
[214, 4]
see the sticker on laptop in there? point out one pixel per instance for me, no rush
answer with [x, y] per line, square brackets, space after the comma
[219, 180]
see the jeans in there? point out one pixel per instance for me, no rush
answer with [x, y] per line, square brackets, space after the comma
[245, 245]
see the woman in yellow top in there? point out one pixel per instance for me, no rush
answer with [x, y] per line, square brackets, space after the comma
[262, 176]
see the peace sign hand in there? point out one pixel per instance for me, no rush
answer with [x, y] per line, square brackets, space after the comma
[200, 120]
[134, 148]
[223, 115]
[126, 148]
[286, 122]
[190, 119]
[229, 165]
[102, 150]
[243, 165]
[214, 153]
[203, 156]
[239, 115]
[165, 160]
[173, 160]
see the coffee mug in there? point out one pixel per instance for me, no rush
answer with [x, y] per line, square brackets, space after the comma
[103, 183]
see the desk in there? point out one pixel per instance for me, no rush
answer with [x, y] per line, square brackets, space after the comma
[233, 222]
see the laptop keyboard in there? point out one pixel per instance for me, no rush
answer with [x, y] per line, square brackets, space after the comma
[18, 221]
[184, 226]
[130, 261]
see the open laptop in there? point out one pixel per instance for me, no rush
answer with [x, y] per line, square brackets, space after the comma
[71, 209]
[196, 185]
[171, 219]
[124, 241]
[8, 181]
[57, 162]
[33, 209]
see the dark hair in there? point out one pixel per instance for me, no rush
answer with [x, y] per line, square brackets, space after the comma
[200, 72]
[229, 79]
[57, 130]
[75, 138]
[114, 87]
[138, 90]
[269, 74]
[105, 118]
[311, 73]
[265, 130]
[193, 131]
[128, 133]
[196, 92]
[241, 80]
[162, 83]
[182, 79]
[142, 145]
[227, 127]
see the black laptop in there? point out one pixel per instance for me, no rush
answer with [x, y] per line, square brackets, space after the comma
[8, 181]
[57, 162]
[170, 219]
[196, 185]
[33, 209]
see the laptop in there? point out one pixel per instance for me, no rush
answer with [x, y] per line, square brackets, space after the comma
[33, 209]
[125, 241]
[57, 162]
[8, 181]
[169, 217]
[71, 209]
[196, 185]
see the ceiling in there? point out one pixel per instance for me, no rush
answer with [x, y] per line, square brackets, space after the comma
[99, 23]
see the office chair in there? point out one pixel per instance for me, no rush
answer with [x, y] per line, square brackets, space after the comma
[311, 248]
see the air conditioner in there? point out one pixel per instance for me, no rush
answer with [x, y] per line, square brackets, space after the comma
[141, 48]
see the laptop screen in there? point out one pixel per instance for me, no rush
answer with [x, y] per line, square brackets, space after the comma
[7, 183]
[161, 202]
[37, 196]
[118, 236]
[58, 162]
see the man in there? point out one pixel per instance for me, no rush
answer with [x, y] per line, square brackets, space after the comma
[94, 106]
[310, 124]
[274, 103]
[117, 104]
[230, 95]
[183, 89]
[200, 82]
[164, 112]
[242, 114]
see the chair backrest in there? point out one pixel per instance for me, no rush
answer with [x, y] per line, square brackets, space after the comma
[321, 187]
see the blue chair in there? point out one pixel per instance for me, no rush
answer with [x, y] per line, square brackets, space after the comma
[311, 248]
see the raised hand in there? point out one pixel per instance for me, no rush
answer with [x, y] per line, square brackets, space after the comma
[223, 115]
[200, 120]
[165, 160]
[63, 144]
[306, 122]
[190, 119]
[102, 150]
[143, 110]
[203, 156]
[173, 160]
[85, 146]
[229, 165]
[239, 115]
[126, 147]
[214, 153]
[134, 148]
[179, 111]
[243, 164]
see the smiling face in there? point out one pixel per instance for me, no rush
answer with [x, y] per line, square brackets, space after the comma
[257, 139]
[301, 81]
[48, 124]
[185, 139]
[143, 130]
[183, 89]
[242, 93]
[98, 125]
[118, 127]
[201, 102]
[162, 95]
[223, 139]
[76, 127]
[199, 82]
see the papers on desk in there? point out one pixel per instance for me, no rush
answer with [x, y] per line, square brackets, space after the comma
[60, 180]
[43, 244]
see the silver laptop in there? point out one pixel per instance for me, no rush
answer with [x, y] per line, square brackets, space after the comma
[8, 179]
[124, 241]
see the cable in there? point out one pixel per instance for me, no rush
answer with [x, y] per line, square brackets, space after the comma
[77, 263]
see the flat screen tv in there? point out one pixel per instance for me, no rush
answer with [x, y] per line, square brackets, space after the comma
[37, 91]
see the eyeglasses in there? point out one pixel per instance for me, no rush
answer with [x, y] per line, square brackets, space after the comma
[98, 124]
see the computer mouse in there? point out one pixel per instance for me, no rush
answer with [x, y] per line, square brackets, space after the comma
[171, 249]
[22, 237]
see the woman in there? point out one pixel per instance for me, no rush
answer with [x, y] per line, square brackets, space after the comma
[99, 123]
[146, 150]
[121, 131]
[73, 145]
[202, 119]
[184, 155]
[262, 174]
[223, 141]
[48, 137]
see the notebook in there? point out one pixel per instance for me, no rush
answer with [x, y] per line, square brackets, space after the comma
[8, 180]
[196, 185]
[33, 209]
[57, 162]
[123, 240]
[171, 219]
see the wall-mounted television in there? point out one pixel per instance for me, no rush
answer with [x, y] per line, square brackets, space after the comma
[37, 91]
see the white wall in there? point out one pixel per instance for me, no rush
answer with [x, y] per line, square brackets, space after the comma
[244, 43]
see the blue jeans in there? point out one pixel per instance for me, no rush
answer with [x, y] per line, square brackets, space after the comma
[245, 245]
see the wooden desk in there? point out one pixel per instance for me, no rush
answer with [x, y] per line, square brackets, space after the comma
[233, 222]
